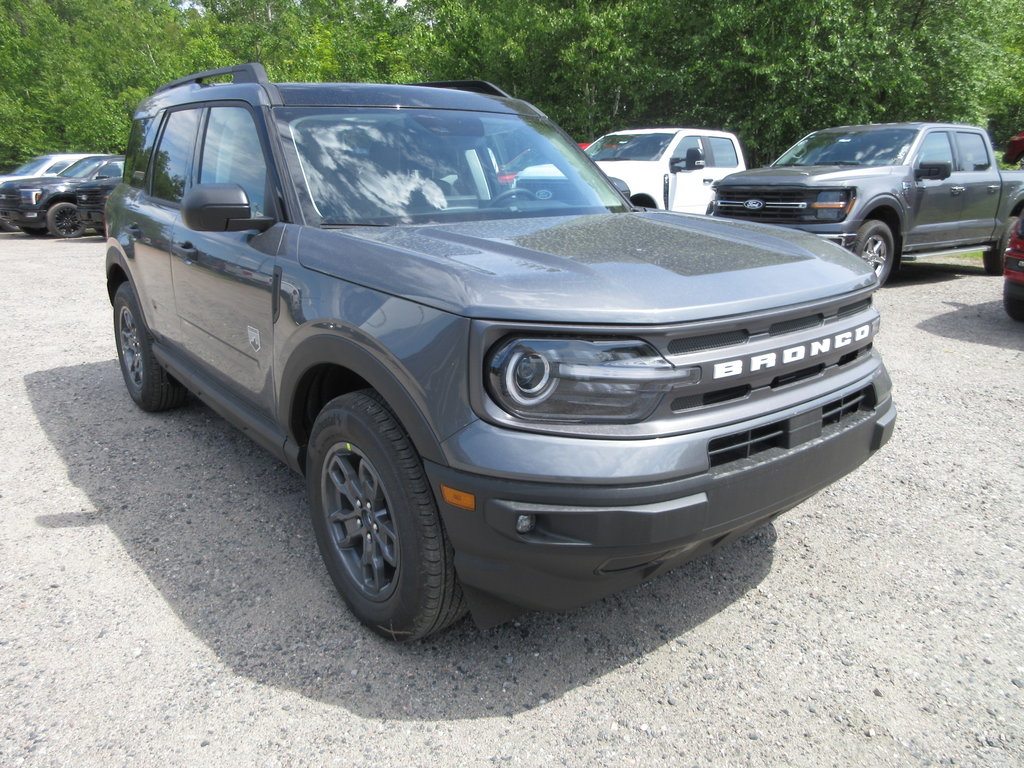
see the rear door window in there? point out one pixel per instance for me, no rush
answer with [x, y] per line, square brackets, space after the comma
[174, 155]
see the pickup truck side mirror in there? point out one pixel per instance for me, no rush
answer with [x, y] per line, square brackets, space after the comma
[620, 185]
[693, 161]
[220, 208]
[934, 171]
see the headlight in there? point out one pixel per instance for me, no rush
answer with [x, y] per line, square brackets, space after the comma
[833, 204]
[577, 380]
[30, 196]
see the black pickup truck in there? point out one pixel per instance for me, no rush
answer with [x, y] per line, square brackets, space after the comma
[890, 193]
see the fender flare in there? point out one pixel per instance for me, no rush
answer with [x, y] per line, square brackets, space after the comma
[389, 379]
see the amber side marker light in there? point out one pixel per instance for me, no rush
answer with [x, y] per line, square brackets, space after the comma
[459, 499]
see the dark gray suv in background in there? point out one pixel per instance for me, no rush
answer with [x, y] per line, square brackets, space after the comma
[506, 391]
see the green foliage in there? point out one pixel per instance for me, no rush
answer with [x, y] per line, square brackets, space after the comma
[71, 71]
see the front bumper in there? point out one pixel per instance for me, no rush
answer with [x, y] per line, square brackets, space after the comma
[590, 539]
[27, 218]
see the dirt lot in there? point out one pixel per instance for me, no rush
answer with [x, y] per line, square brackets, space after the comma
[162, 601]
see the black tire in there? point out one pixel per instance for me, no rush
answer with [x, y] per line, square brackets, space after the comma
[62, 220]
[376, 521]
[34, 231]
[874, 243]
[148, 383]
[1013, 305]
[993, 257]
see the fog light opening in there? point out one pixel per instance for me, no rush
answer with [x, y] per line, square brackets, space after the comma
[526, 523]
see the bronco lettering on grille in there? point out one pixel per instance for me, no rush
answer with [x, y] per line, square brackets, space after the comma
[794, 354]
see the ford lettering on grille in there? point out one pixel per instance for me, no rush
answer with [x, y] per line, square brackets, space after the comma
[798, 352]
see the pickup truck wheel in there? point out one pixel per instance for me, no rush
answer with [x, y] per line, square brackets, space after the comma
[1014, 306]
[376, 521]
[62, 221]
[148, 383]
[874, 244]
[993, 257]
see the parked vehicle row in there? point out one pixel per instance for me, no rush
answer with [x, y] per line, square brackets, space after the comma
[43, 205]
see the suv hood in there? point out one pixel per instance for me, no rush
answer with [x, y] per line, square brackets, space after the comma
[808, 175]
[626, 268]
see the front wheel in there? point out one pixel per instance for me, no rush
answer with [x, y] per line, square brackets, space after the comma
[149, 384]
[62, 221]
[993, 257]
[376, 521]
[874, 243]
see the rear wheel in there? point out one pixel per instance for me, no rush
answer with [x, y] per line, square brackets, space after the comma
[62, 220]
[376, 521]
[874, 243]
[149, 384]
[1013, 305]
[993, 257]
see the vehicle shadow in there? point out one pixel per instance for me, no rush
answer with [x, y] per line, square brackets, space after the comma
[221, 530]
[986, 323]
[915, 273]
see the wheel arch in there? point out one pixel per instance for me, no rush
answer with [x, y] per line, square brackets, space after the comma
[643, 200]
[890, 216]
[324, 367]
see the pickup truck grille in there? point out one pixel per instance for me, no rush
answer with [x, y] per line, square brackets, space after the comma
[9, 198]
[767, 204]
[91, 197]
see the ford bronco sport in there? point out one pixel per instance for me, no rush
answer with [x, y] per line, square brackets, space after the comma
[505, 392]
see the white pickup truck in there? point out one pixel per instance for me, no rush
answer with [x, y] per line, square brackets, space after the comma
[669, 168]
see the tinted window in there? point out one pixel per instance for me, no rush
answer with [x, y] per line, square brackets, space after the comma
[232, 154]
[972, 151]
[864, 145]
[630, 146]
[687, 142]
[140, 147]
[174, 154]
[111, 170]
[936, 149]
[723, 152]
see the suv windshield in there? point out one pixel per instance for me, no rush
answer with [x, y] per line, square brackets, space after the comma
[82, 168]
[374, 166]
[630, 146]
[850, 146]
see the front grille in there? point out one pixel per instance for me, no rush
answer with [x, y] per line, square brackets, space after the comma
[9, 197]
[711, 341]
[788, 433]
[93, 197]
[777, 204]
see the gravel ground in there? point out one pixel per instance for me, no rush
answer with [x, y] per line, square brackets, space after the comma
[162, 601]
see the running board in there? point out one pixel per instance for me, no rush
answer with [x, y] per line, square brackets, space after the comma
[950, 252]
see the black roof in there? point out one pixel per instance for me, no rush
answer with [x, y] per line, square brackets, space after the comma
[249, 82]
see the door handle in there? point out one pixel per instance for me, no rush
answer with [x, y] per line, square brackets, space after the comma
[185, 251]
[708, 181]
[957, 190]
[993, 188]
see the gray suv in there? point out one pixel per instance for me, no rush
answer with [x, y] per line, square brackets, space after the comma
[506, 387]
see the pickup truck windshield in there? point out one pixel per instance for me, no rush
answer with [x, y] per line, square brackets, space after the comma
[861, 146]
[380, 167]
[629, 146]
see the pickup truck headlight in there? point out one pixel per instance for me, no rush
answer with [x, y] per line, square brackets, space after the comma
[30, 196]
[577, 380]
[833, 204]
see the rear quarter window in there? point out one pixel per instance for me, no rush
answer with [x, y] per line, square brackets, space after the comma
[140, 148]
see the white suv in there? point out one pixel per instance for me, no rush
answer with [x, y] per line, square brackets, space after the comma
[669, 168]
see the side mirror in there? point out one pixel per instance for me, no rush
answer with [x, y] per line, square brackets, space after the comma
[220, 208]
[934, 171]
[693, 161]
[620, 185]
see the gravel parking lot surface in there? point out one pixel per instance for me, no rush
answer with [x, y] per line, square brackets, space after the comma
[162, 601]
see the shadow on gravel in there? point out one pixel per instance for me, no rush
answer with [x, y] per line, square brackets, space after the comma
[926, 272]
[220, 529]
[985, 323]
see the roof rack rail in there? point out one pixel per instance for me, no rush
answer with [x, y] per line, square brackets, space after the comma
[476, 86]
[241, 73]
